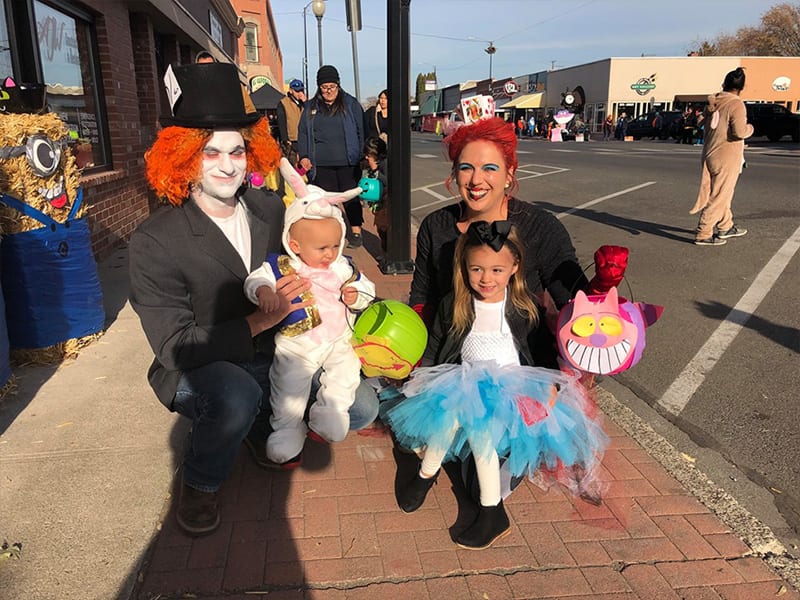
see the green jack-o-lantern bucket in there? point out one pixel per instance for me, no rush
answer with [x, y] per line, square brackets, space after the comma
[389, 339]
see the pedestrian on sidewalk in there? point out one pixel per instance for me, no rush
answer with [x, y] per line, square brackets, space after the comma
[188, 264]
[375, 156]
[496, 402]
[330, 138]
[726, 128]
[316, 337]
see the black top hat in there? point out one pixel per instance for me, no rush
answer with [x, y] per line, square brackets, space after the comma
[22, 97]
[210, 96]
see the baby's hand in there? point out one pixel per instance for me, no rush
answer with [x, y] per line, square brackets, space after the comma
[268, 300]
[349, 295]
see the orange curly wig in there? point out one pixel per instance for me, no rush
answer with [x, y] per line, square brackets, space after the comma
[173, 162]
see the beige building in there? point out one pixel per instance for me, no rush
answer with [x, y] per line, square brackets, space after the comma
[640, 84]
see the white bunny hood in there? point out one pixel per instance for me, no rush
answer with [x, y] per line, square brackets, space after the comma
[312, 202]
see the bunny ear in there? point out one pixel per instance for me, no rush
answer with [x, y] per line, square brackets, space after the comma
[293, 178]
[350, 194]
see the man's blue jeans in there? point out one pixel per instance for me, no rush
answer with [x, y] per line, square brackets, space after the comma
[224, 402]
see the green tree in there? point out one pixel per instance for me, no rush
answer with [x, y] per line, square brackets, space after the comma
[777, 35]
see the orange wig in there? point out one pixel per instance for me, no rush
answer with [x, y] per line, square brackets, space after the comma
[174, 160]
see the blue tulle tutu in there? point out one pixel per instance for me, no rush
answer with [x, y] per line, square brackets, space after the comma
[533, 417]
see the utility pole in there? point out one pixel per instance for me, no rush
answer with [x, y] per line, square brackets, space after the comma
[398, 251]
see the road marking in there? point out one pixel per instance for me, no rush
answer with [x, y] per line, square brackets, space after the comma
[693, 375]
[559, 150]
[425, 156]
[440, 199]
[561, 215]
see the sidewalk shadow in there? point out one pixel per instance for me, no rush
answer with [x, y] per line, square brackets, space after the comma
[254, 551]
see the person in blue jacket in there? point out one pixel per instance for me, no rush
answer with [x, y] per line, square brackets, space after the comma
[329, 141]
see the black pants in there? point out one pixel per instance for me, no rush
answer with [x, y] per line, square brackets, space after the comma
[340, 179]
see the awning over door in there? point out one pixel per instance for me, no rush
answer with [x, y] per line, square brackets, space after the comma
[526, 101]
[266, 97]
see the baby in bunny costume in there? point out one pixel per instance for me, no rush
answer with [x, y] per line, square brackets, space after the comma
[317, 336]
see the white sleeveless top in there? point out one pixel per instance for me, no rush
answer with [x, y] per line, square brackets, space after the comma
[490, 337]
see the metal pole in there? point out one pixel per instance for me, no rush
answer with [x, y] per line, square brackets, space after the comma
[398, 251]
[355, 65]
[319, 38]
[305, 48]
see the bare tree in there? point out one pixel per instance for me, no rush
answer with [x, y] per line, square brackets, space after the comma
[777, 35]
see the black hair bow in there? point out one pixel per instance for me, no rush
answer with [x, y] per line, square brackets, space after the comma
[493, 234]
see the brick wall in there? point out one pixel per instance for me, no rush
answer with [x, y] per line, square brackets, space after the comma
[120, 199]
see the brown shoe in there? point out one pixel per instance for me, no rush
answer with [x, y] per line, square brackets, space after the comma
[198, 512]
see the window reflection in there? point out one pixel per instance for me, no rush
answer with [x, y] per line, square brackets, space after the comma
[6, 67]
[64, 47]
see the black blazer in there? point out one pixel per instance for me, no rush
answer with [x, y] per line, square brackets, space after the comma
[187, 287]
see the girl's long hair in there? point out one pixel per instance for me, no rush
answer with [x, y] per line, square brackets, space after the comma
[172, 164]
[518, 295]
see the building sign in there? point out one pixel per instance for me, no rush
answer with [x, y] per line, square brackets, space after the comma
[781, 84]
[258, 81]
[510, 88]
[644, 85]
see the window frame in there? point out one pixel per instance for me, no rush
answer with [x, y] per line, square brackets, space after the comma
[28, 66]
[249, 25]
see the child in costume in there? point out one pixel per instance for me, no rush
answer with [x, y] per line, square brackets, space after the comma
[375, 156]
[317, 336]
[482, 398]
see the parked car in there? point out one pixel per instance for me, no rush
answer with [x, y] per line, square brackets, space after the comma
[773, 121]
[452, 122]
[644, 125]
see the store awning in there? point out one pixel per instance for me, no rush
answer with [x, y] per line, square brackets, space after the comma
[266, 97]
[526, 101]
[691, 98]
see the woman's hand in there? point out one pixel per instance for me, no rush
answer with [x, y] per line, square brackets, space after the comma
[305, 164]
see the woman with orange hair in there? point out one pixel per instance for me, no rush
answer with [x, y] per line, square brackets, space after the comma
[484, 165]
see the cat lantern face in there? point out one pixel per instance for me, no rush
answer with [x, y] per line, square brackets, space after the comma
[604, 334]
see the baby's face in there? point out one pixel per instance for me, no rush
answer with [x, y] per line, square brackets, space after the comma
[316, 241]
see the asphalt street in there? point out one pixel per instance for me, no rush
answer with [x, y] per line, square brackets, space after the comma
[721, 366]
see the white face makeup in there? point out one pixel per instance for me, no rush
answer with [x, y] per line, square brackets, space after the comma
[224, 166]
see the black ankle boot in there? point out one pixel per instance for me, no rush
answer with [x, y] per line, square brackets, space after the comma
[490, 525]
[411, 497]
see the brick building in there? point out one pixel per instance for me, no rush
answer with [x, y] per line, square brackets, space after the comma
[103, 63]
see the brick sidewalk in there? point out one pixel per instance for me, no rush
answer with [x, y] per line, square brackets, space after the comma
[332, 530]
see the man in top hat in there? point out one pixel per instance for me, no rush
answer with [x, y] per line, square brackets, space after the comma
[188, 263]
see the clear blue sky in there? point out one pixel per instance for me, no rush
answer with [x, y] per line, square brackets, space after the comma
[530, 35]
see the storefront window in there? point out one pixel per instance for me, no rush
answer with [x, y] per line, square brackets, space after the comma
[6, 67]
[65, 48]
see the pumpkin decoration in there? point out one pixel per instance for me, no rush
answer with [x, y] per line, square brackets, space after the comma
[389, 339]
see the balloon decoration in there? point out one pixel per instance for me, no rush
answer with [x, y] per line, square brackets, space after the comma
[389, 339]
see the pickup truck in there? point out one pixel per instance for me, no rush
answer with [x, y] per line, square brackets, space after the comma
[773, 121]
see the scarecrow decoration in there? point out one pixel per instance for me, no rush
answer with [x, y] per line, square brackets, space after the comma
[54, 304]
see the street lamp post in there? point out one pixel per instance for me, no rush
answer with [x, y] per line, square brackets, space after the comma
[490, 51]
[305, 48]
[318, 8]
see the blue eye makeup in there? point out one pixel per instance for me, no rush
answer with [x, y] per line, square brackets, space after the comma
[491, 167]
[464, 167]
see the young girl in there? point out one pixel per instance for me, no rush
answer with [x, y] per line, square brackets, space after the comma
[479, 398]
[375, 156]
